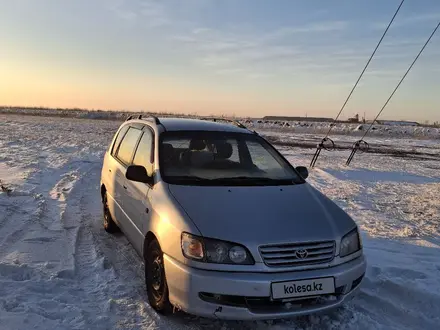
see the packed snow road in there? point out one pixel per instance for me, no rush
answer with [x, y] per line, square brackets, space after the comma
[60, 270]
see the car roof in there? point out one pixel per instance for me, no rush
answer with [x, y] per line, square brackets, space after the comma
[190, 124]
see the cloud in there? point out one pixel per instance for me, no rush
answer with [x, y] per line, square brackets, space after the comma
[408, 20]
[239, 50]
[121, 11]
[311, 28]
[226, 45]
[235, 51]
[257, 75]
[201, 30]
[184, 39]
[269, 53]
[385, 73]
[154, 14]
[216, 48]
[244, 55]
[214, 60]
[224, 55]
[245, 73]
[230, 71]
[149, 12]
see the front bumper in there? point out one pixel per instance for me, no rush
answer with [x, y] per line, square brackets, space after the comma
[250, 292]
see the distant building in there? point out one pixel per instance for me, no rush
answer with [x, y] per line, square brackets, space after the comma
[354, 119]
[397, 123]
[287, 118]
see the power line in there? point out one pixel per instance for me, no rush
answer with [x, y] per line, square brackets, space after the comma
[326, 138]
[401, 80]
[357, 144]
[366, 65]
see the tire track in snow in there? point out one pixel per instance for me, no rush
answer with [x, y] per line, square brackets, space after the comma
[16, 221]
[392, 296]
[124, 297]
[40, 209]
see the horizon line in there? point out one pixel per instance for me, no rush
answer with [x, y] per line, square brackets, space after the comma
[167, 113]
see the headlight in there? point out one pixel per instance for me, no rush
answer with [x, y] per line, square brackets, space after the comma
[192, 247]
[237, 254]
[214, 251]
[350, 243]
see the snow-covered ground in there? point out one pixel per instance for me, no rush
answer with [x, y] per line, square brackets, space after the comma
[321, 128]
[60, 270]
[287, 127]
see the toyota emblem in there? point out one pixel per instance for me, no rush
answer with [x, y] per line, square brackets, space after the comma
[301, 254]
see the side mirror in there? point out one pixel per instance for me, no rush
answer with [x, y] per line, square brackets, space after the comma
[303, 171]
[138, 173]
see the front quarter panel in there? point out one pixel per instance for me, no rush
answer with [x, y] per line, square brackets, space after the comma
[343, 222]
[168, 221]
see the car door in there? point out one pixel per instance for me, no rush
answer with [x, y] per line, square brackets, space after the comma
[111, 164]
[138, 206]
[123, 157]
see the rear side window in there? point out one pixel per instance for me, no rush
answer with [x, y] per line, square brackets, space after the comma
[118, 139]
[128, 144]
[234, 156]
[144, 151]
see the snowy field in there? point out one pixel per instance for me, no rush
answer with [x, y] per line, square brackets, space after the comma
[287, 127]
[60, 270]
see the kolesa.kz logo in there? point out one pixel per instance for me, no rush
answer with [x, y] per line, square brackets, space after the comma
[302, 288]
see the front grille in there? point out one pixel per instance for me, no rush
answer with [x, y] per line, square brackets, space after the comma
[297, 254]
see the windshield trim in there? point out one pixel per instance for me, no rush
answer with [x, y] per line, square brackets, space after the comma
[231, 182]
[219, 183]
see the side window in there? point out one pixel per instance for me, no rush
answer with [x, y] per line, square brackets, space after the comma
[118, 139]
[178, 143]
[261, 157]
[126, 149]
[144, 152]
[234, 156]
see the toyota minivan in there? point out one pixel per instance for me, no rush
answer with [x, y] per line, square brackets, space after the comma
[226, 226]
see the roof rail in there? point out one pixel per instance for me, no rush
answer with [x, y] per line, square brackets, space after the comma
[153, 118]
[233, 121]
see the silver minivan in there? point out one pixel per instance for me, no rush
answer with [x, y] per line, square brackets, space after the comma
[226, 226]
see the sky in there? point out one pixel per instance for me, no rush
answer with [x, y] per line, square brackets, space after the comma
[224, 57]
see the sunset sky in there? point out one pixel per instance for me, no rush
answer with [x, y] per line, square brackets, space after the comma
[242, 57]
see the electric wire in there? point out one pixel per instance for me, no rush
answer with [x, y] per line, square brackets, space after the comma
[365, 68]
[401, 80]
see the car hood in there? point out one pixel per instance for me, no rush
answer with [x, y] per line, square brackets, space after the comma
[263, 214]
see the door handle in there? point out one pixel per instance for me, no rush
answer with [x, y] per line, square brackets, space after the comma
[124, 187]
[109, 170]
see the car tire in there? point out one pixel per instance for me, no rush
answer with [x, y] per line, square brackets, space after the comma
[155, 279]
[109, 225]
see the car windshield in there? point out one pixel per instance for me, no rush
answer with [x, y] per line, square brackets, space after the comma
[222, 158]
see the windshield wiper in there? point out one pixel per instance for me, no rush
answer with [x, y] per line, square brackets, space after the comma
[187, 178]
[251, 179]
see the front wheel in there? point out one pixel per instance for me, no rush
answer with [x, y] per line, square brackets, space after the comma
[109, 225]
[157, 288]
